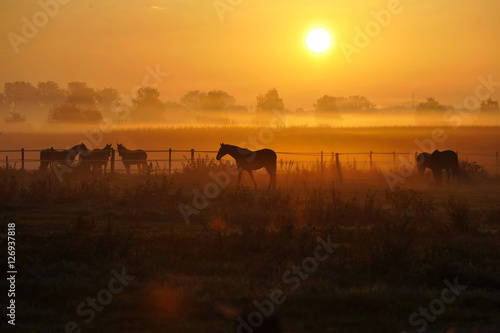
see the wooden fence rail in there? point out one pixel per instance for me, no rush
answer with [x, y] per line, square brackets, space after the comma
[320, 157]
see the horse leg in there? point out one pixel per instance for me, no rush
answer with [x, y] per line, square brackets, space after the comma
[272, 176]
[448, 173]
[240, 171]
[127, 167]
[253, 179]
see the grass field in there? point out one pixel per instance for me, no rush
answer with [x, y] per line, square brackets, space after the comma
[396, 249]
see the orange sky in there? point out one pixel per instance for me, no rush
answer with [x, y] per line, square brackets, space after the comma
[431, 48]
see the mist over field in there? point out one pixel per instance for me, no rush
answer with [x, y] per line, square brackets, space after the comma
[231, 166]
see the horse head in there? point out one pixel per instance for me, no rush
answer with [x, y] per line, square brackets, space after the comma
[222, 152]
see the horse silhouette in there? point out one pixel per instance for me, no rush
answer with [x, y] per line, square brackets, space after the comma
[423, 160]
[447, 160]
[437, 161]
[97, 159]
[133, 157]
[49, 156]
[251, 160]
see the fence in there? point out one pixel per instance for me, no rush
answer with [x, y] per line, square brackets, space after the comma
[361, 160]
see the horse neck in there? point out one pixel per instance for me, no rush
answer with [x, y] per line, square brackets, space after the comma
[234, 153]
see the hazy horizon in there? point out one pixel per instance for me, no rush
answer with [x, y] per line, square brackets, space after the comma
[437, 49]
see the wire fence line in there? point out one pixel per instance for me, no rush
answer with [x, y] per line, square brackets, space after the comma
[18, 158]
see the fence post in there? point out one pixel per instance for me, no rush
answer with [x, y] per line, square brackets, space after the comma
[169, 161]
[192, 155]
[321, 164]
[22, 159]
[112, 160]
[337, 163]
[371, 160]
[394, 157]
[6, 162]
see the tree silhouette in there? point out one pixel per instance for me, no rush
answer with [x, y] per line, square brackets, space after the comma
[430, 105]
[218, 100]
[327, 104]
[21, 92]
[49, 93]
[330, 105]
[147, 105]
[80, 106]
[194, 99]
[270, 101]
[489, 105]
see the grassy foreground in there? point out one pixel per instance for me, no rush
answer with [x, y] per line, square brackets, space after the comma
[396, 250]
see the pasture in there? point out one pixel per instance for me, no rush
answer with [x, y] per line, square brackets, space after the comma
[396, 248]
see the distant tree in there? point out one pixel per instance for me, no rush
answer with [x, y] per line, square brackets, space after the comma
[330, 104]
[72, 113]
[356, 103]
[15, 117]
[22, 98]
[106, 96]
[194, 99]
[326, 103]
[218, 100]
[489, 105]
[147, 105]
[270, 101]
[21, 92]
[49, 93]
[430, 105]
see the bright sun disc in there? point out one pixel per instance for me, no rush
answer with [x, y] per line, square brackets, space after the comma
[318, 40]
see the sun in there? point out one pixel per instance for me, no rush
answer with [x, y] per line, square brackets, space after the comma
[318, 40]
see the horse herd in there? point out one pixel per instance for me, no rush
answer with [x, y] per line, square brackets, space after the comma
[95, 159]
[246, 160]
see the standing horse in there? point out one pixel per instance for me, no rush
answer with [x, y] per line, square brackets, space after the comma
[49, 156]
[97, 159]
[251, 160]
[130, 157]
[448, 160]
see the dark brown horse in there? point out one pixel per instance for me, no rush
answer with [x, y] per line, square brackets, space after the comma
[49, 156]
[97, 159]
[437, 161]
[447, 160]
[133, 157]
[251, 160]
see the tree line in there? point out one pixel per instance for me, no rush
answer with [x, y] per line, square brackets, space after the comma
[78, 103]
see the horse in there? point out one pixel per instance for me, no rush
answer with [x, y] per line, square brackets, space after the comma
[49, 156]
[423, 160]
[130, 157]
[251, 160]
[447, 160]
[97, 158]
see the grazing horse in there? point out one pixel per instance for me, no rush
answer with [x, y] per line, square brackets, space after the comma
[447, 160]
[251, 160]
[130, 157]
[97, 158]
[423, 160]
[49, 156]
